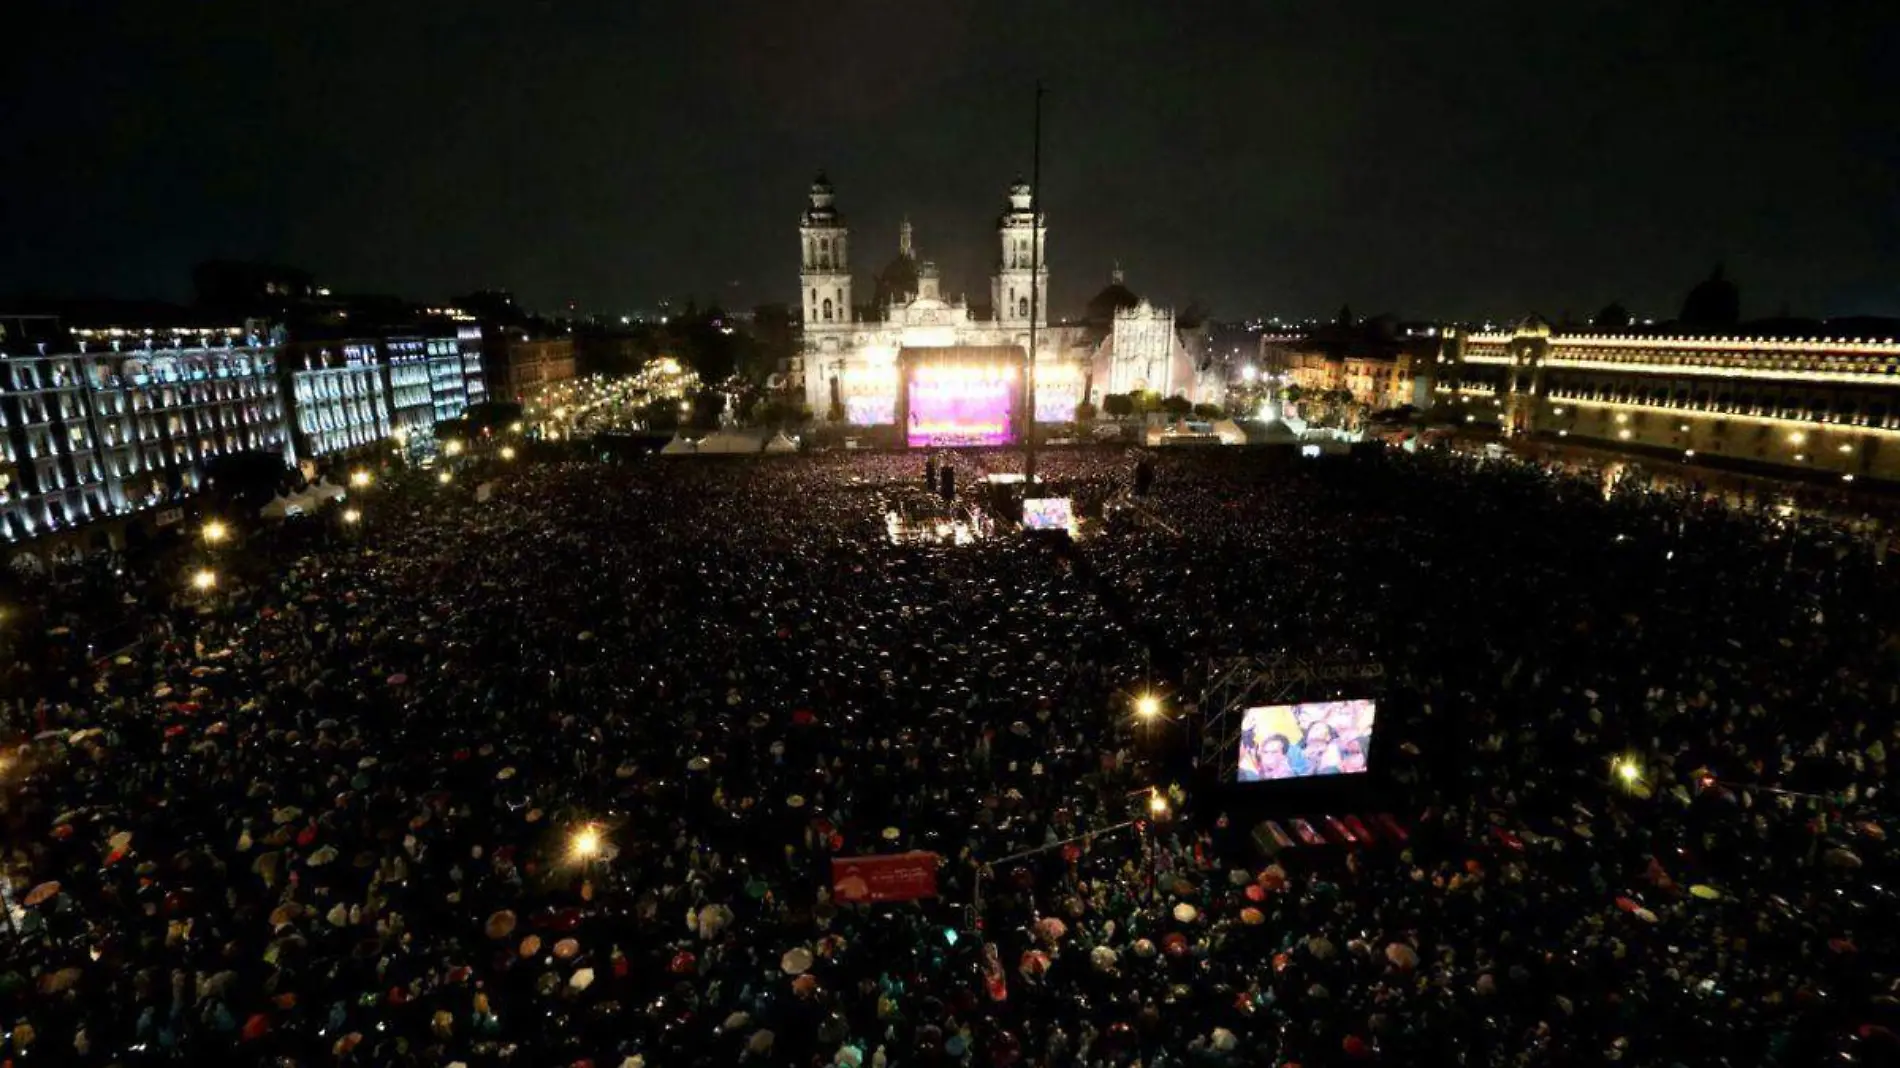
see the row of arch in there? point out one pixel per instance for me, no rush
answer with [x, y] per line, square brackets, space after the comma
[1856, 408]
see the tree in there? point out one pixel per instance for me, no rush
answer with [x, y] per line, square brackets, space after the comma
[1614, 315]
[1084, 412]
[1119, 405]
[1207, 411]
[1177, 406]
[707, 404]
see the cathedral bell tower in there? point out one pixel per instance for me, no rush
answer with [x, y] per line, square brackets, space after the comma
[1015, 280]
[825, 271]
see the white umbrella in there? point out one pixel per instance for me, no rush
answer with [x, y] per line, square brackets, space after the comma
[797, 961]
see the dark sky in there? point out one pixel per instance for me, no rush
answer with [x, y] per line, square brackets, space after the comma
[1435, 159]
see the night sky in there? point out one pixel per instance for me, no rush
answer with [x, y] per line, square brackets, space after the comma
[1430, 159]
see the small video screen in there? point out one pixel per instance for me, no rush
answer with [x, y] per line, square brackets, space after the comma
[1279, 742]
[1048, 513]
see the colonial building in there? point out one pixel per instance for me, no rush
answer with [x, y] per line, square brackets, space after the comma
[1817, 404]
[850, 369]
[1380, 364]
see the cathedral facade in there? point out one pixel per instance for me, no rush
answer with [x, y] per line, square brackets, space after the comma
[853, 355]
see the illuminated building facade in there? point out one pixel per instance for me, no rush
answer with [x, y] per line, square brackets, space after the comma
[338, 394]
[523, 366]
[110, 429]
[849, 368]
[1827, 405]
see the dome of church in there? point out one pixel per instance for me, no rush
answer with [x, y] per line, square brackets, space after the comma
[1713, 302]
[1113, 297]
[897, 281]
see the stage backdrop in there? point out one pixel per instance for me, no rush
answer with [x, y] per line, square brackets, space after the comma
[961, 395]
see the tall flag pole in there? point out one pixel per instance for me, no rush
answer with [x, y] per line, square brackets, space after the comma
[1035, 294]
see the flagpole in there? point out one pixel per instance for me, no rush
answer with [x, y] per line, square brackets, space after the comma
[1035, 292]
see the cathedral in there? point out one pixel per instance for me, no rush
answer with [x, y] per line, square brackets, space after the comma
[866, 365]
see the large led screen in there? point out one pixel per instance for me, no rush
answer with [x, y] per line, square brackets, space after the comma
[1048, 513]
[1298, 741]
[961, 404]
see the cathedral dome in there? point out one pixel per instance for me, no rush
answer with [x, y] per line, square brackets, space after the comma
[1715, 302]
[1113, 297]
[897, 281]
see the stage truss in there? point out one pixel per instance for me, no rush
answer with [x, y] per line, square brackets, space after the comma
[1239, 683]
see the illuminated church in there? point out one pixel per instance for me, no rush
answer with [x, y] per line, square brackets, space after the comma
[863, 367]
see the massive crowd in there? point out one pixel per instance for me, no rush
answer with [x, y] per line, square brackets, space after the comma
[327, 812]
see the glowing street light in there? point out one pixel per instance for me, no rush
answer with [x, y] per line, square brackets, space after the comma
[1627, 770]
[1157, 803]
[361, 478]
[204, 579]
[507, 452]
[514, 427]
[215, 531]
[1147, 706]
[352, 516]
[586, 843]
[445, 478]
[453, 447]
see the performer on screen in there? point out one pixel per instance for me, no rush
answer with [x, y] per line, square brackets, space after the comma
[1320, 754]
[1265, 757]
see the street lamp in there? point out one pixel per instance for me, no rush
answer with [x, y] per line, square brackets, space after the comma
[352, 516]
[445, 478]
[204, 579]
[1157, 802]
[453, 447]
[1147, 706]
[215, 531]
[507, 452]
[360, 478]
[586, 843]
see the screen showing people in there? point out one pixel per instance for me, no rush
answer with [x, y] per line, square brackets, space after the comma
[1048, 513]
[1298, 741]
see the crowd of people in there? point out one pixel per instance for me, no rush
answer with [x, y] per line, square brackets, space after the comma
[555, 777]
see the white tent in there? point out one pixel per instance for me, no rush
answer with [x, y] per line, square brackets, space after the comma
[323, 491]
[733, 440]
[781, 443]
[680, 446]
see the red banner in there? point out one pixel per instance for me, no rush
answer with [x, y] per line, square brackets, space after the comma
[891, 877]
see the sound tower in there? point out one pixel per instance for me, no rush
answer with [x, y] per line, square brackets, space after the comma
[949, 486]
[1144, 477]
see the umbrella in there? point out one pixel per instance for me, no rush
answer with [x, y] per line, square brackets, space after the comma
[1033, 962]
[60, 981]
[1252, 917]
[323, 855]
[500, 925]
[1224, 1040]
[736, 1021]
[796, 961]
[1644, 915]
[796, 801]
[1402, 955]
[581, 979]
[566, 949]
[1050, 929]
[41, 893]
[1321, 947]
[1185, 913]
[1705, 892]
[760, 1043]
[1103, 958]
[285, 815]
[506, 773]
[805, 985]
[712, 920]
[529, 946]
[1144, 948]
[698, 763]
[1627, 904]
[398, 679]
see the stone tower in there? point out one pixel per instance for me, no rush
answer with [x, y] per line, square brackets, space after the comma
[825, 271]
[1011, 288]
